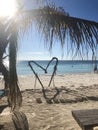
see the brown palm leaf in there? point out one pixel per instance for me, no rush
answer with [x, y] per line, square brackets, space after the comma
[55, 23]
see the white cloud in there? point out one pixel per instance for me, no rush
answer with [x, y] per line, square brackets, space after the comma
[34, 55]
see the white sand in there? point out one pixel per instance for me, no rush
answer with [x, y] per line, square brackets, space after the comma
[54, 116]
[68, 80]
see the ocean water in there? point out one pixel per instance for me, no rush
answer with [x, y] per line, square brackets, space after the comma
[64, 67]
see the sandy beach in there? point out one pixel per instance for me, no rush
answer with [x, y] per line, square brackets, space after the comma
[77, 91]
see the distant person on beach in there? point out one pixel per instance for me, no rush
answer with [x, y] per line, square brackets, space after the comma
[95, 68]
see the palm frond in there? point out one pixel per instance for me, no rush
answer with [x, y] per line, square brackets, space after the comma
[20, 120]
[15, 97]
[3, 39]
[55, 23]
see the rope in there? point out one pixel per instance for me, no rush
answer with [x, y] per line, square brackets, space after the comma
[45, 70]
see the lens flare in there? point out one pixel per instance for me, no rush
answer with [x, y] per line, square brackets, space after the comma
[8, 8]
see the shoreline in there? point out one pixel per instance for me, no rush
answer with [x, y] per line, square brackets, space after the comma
[66, 80]
[67, 73]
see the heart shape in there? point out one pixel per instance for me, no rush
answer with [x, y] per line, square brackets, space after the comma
[45, 70]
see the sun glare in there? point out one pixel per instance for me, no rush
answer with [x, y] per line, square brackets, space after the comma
[8, 8]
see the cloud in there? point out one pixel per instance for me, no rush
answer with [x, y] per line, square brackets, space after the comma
[36, 53]
[33, 55]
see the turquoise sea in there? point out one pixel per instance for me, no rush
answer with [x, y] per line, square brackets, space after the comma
[64, 67]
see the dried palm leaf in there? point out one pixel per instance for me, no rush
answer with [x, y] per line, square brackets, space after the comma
[15, 97]
[56, 24]
[20, 121]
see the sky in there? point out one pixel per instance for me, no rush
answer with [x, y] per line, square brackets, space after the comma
[32, 47]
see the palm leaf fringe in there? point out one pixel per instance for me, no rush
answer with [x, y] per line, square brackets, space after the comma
[55, 23]
[20, 121]
[15, 97]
